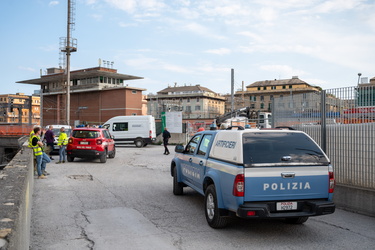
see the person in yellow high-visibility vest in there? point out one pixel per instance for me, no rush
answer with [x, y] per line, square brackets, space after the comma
[62, 141]
[31, 146]
[41, 158]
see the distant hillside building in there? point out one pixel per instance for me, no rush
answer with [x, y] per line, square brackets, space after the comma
[19, 109]
[258, 95]
[195, 102]
[96, 94]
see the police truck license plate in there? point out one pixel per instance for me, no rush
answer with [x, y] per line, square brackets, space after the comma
[286, 205]
[84, 143]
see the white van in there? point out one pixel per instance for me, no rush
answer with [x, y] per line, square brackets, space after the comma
[56, 132]
[139, 130]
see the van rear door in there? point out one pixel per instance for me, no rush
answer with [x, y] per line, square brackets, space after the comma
[284, 165]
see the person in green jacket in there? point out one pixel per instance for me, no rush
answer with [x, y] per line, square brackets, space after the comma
[62, 142]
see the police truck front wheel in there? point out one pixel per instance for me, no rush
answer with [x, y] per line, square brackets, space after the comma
[211, 209]
[178, 187]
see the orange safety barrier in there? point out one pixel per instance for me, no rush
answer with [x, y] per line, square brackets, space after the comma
[15, 130]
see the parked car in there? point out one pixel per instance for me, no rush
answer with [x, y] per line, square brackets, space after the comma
[91, 143]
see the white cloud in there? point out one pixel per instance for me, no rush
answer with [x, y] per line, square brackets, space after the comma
[53, 3]
[336, 6]
[283, 71]
[27, 69]
[221, 51]
[201, 30]
[123, 24]
[132, 6]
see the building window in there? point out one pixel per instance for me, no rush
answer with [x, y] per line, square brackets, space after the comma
[262, 98]
[252, 105]
[188, 100]
[290, 86]
[284, 87]
[134, 91]
[197, 99]
[188, 109]
[258, 88]
[197, 107]
[262, 105]
[264, 88]
[273, 87]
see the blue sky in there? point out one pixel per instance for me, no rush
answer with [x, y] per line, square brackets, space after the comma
[325, 43]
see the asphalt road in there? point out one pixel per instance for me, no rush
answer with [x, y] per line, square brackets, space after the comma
[127, 203]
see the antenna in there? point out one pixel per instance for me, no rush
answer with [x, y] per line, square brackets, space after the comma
[70, 46]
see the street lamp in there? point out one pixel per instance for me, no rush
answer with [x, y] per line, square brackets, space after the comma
[359, 76]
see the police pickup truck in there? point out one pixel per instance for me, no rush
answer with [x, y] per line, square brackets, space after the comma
[255, 173]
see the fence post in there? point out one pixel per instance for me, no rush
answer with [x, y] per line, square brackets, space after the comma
[323, 132]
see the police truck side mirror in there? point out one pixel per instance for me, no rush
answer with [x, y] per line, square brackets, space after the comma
[179, 148]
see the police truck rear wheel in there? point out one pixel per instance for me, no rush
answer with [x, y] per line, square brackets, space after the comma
[298, 220]
[211, 209]
[178, 188]
[70, 158]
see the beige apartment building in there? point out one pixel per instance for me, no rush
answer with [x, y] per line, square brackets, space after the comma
[19, 109]
[258, 95]
[195, 102]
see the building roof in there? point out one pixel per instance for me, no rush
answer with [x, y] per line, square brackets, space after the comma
[81, 74]
[180, 89]
[295, 80]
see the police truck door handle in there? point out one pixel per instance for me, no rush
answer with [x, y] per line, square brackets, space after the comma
[201, 163]
[190, 160]
[288, 175]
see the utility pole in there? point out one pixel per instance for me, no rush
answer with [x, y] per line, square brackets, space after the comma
[232, 91]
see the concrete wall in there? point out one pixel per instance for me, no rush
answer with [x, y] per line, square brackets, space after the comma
[355, 199]
[16, 188]
[176, 138]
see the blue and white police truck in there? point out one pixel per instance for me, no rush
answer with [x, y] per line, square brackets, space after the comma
[255, 173]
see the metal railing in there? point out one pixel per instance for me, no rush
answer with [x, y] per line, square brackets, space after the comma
[342, 122]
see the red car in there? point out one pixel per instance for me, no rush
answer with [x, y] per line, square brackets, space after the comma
[91, 143]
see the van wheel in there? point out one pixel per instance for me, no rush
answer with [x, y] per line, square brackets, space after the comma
[103, 157]
[178, 187]
[211, 209]
[298, 220]
[70, 158]
[138, 143]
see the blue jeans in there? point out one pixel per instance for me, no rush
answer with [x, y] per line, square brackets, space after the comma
[62, 153]
[41, 163]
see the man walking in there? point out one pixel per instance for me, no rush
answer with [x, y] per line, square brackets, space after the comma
[41, 158]
[50, 138]
[166, 136]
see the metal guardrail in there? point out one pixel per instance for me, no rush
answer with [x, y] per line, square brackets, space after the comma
[342, 122]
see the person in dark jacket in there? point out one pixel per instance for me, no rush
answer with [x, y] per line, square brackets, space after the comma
[166, 136]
